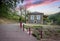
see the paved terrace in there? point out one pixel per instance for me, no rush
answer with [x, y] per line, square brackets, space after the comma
[12, 32]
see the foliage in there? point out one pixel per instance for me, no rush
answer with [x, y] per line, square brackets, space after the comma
[35, 30]
[13, 16]
[26, 27]
[22, 19]
[5, 6]
[55, 18]
[36, 33]
[5, 12]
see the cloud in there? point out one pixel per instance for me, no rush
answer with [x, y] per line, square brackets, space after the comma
[35, 3]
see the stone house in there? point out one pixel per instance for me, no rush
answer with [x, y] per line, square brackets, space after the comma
[35, 18]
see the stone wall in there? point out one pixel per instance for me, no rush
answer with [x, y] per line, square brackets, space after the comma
[35, 20]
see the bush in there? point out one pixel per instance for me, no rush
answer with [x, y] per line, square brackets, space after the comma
[55, 18]
[36, 32]
[22, 19]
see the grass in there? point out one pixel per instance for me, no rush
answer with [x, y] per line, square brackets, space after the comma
[25, 26]
[35, 30]
[51, 31]
[34, 26]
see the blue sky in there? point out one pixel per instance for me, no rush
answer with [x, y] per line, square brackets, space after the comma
[47, 9]
[44, 6]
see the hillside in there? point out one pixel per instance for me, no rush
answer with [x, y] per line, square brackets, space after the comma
[55, 18]
[7, 21]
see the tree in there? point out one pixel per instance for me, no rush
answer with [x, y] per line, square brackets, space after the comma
[5, 6]
[55, 18]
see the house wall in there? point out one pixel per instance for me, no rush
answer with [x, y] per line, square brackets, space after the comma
[35, 20]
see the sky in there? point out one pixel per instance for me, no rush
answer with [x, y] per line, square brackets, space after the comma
[44, 6]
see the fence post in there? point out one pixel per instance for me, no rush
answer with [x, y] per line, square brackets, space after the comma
[20, 24]
[29, 30]
[23, 27]
[41, 33]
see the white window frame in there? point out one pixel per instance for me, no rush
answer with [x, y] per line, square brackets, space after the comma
[32, 17]
[38, 17]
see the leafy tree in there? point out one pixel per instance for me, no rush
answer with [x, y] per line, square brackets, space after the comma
[55, 18]
[5, 6]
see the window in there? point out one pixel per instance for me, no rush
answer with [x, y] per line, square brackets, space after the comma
[32, 17]
[38, 17]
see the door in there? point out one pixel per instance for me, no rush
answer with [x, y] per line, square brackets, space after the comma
[35, 21]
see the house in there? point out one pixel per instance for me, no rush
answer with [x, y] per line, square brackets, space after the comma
[35, 18]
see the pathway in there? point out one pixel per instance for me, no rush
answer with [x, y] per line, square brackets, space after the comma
[12, 32]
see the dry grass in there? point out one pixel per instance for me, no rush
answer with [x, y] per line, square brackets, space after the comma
[6, 21]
